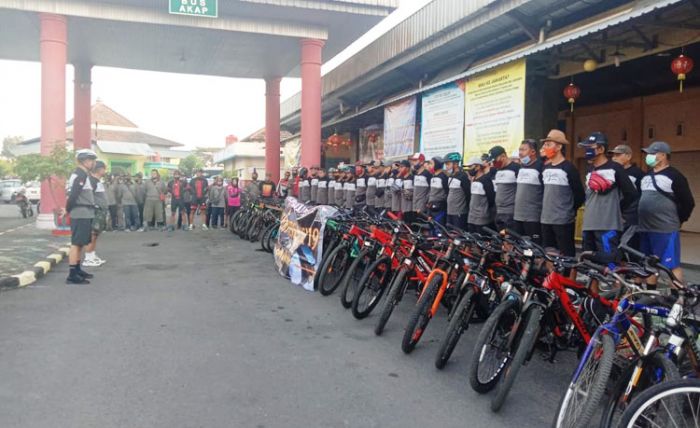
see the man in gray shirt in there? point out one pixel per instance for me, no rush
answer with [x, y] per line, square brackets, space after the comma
[505, 185]
[528, 194]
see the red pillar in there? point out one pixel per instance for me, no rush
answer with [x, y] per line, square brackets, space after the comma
[82, 138]
[53, 48]
[311, 101]
[272, 127]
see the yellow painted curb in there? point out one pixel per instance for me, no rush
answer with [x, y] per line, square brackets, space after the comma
[44, 265]
[64, 250]
[25, 278]
[57, 257]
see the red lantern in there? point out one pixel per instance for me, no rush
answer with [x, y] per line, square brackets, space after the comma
[335, 140]
[681, 66]
[571, 92]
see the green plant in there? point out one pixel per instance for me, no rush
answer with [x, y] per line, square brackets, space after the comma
[189, 164]
[6, 168]
[57, 165]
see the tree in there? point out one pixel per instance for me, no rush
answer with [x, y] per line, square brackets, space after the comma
[58, 164]
[6, 168]
[8, 143]
[189, 164]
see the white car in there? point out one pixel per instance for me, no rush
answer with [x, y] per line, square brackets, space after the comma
[8, 190]
[33, 191]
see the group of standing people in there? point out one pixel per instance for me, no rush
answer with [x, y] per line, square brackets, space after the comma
[538, 193]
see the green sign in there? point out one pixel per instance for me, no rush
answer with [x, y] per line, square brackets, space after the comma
[207, 8]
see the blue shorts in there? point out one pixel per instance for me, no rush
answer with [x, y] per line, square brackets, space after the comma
[665, 245]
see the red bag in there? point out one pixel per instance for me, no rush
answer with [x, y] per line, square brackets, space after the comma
[598, 183]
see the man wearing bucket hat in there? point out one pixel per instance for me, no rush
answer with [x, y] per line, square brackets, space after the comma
[482, 205]
[439, 187]
[666, 203]
[608, 192]
[528, 194]
[563, 194]
[459, 193]
[505, 184]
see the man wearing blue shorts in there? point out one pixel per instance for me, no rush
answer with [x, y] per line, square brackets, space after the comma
[666, 203]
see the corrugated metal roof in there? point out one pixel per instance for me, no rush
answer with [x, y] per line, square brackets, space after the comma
[117, 147]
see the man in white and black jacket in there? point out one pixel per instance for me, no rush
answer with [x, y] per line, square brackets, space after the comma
[528, 194]
[665, 204]
[609, 192]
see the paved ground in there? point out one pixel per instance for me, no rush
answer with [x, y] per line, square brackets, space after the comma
[200, 331]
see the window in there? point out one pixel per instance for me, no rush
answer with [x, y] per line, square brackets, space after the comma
[679, 129]
[624, 135]
[650, 132]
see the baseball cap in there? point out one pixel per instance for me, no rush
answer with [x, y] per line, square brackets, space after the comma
[474, 160]
[495, 152]
[621, 149]
[405, 163]
[556, 136]
[418, 156]
[596, 138]
[658, 147]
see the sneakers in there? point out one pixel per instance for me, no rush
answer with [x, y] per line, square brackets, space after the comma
[204, 227]
[83, 274]
[77, 279]
[91, 262]
[143, 229]
[191, 227]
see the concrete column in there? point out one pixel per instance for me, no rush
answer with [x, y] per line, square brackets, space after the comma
[272, 127]
[53, 46]
[82, 138]
[311, 101]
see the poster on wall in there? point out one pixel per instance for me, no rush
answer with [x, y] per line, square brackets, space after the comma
[371, 143]
[299, 246]
[400, 128]
[292, 153]
[442, 122]
[495, 110]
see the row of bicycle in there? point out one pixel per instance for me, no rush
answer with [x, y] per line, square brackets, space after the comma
[630, 341]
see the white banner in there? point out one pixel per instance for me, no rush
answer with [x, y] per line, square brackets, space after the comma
[400, 129]
[442, 125]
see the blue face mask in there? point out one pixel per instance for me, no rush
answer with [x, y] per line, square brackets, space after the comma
[526, 160]
[590, 153]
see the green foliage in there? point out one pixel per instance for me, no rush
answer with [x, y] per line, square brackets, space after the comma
[6, 168]
[189, 164]
[8, 143]
[60, 163]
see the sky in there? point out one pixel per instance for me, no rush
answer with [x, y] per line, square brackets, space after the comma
[200, 112]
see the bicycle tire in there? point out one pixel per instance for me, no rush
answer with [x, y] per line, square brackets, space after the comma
[525, 343]
[656, 393]
[458, 325]
[272, 237]
[254, 229]
[264, 241]
[327, 286]
[362, 261]
[612, 413]
[600, 375]
[499, 322]
[328, 247]
[396, 290]
[421, 315]
[362, 311]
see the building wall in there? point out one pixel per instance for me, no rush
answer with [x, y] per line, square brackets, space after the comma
[642, 120]
[243, 167]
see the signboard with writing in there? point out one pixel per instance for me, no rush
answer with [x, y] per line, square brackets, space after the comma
[299, 245]
[495, 110]
[207, 8]
[399, 128]
[442, 128]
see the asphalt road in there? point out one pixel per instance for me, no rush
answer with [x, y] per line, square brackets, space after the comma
[10, 216]
[201, 331]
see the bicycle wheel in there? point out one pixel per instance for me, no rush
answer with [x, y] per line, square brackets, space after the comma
[272, 237]
[522, 347]
[371, 287]
[352, 277]
[333, 270]
[668, 404]
[255, 229]
[656, 368]
[583, 395]
[490, 353]
[396, 290]
[421, 315]
[263, 237]
[458, 325]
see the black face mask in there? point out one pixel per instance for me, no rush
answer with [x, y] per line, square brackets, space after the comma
[472, 172]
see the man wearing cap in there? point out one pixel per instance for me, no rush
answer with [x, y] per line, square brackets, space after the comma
[283, 186]
[360, 186]
[666, 203]
[482, 204]
[322, 192]
[349, 187]
[81, 207]
[421, 182]
[99, 223]
[294, 183]
[459, 191]
[527, 209]
[439, 187]
[339, 191]
[331, 186]
[313, 183]
[563, 194]
[382, 176]
[389, 185]
[372, 185]
[608, 192]
[622, 154]
[304, 186]
[505, 184]
[397, 188]
[200, 190]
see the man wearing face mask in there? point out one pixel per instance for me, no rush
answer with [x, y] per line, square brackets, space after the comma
[439, 187]
[563, 194]
[155, 195]
[622, 154]
[421, 182]
[388, 187]
[397, 188]
[505, 183]
[459, 193]
[482, 204]
[528, 193]
[322, 192]
[339, 182]
[372, 185]
[313, 184]
[349, 187]
[382, 176]
[304, 186]
[407, 192]
[360, 186]
[608, 192]
[666, 203]
[331, 185]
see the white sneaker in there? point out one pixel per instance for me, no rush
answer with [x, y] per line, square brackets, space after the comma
[91, 263]
[191, 227]
[100, 260]
[204, 227]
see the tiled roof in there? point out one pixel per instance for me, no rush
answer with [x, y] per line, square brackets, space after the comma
[105, 116]
[259, 136]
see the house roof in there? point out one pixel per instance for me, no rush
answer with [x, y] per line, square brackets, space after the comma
[103, 115]
[259, 136]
